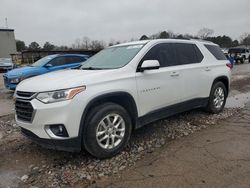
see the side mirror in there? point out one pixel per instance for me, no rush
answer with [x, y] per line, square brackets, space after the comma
[149, 65]
[48, 65]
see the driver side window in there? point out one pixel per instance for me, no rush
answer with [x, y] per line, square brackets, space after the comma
[164, 53]
[58, 61]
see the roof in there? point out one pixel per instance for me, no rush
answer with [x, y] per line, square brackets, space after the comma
[6, 29]
[132, 43]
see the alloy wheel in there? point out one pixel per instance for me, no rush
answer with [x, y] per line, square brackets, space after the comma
[110, 131]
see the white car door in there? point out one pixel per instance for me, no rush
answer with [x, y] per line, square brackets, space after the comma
[193, 71]
[161, 87]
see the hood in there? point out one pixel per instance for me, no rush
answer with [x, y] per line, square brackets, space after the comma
[23, 71]
[62, 80]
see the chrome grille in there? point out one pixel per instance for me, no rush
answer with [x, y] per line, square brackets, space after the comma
[23, 94]
[24, 110]
[23, 106]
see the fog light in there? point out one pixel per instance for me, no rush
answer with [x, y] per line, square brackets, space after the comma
[56, 131]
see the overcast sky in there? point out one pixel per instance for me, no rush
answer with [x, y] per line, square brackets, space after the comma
[62, 21]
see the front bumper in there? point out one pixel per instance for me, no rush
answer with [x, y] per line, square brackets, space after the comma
[6, 68]
[68, 113]
[7, 83]
[71, 145]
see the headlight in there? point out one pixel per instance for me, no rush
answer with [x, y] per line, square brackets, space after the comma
[15, 80]
[60, 95]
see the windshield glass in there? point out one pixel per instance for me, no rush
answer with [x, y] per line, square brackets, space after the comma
[5, 60]
[43, 61]
[236, 50]
[112, 58]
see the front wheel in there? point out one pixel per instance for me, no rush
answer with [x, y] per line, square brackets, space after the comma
[108, 130]
[217, 98]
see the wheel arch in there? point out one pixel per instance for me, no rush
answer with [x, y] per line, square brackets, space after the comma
[224, 80]
[124, 99]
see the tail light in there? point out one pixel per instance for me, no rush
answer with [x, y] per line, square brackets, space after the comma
[230, 65]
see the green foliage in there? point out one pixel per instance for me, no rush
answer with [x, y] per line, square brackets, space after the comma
[224, 41]
[34, 46]
[164, 35]
[20, 45]
[48, 46]
[144, 37]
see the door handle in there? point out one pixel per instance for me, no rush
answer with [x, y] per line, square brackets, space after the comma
[173, 74]
[207, 69]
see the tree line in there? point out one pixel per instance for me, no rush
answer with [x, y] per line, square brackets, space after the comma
[86, 43]
[21, 46]
[223, 41]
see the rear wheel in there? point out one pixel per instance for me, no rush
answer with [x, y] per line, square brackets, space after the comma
[217, 98]
[108, 130]
[242, 60]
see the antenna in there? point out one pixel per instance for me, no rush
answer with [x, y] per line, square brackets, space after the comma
[6, 22]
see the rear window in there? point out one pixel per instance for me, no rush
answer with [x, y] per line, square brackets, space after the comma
[188, 53]
[216, 51]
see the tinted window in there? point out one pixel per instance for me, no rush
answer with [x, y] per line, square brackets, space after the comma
[164, 53]
[74, 59]
[58, 61]
[216, 51]
[187, 53]
[199, 55]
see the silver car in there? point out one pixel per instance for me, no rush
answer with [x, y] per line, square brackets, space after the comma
[6, 64]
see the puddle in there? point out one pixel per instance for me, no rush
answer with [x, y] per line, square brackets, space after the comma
[238, 101]
[9, 179]
[238, 77]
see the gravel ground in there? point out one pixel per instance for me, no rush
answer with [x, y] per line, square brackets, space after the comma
[25, 164]
[62, 169]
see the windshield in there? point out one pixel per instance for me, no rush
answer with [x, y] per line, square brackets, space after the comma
[236, 50]
[5, 60]
[112, 58]
[43, 61]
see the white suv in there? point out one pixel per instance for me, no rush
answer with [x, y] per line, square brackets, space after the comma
[120, 89]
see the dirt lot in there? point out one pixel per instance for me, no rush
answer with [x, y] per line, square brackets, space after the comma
[193, 149]
[6, 104]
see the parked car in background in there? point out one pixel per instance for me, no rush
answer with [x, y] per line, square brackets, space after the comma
[240, 54]
[120, 89]
[6, 64]
[47, 64]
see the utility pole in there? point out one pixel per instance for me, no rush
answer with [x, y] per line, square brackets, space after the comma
[6, 23]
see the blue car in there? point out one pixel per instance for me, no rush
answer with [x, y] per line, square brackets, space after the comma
[47, 64]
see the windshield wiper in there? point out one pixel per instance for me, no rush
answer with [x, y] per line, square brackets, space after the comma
[91, 68]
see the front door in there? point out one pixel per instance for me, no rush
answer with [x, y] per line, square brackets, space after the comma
[161, 87]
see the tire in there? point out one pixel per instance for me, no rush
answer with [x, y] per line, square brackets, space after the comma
[242, 60]
[97, 118]
[213, 106]
[249, 59]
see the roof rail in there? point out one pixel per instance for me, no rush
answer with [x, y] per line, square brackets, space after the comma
[201, 40]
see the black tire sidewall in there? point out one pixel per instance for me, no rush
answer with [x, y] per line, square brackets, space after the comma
[89, 137]
[211, 107]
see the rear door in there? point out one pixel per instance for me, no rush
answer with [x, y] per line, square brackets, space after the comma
[161, 87]
[193, 71]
